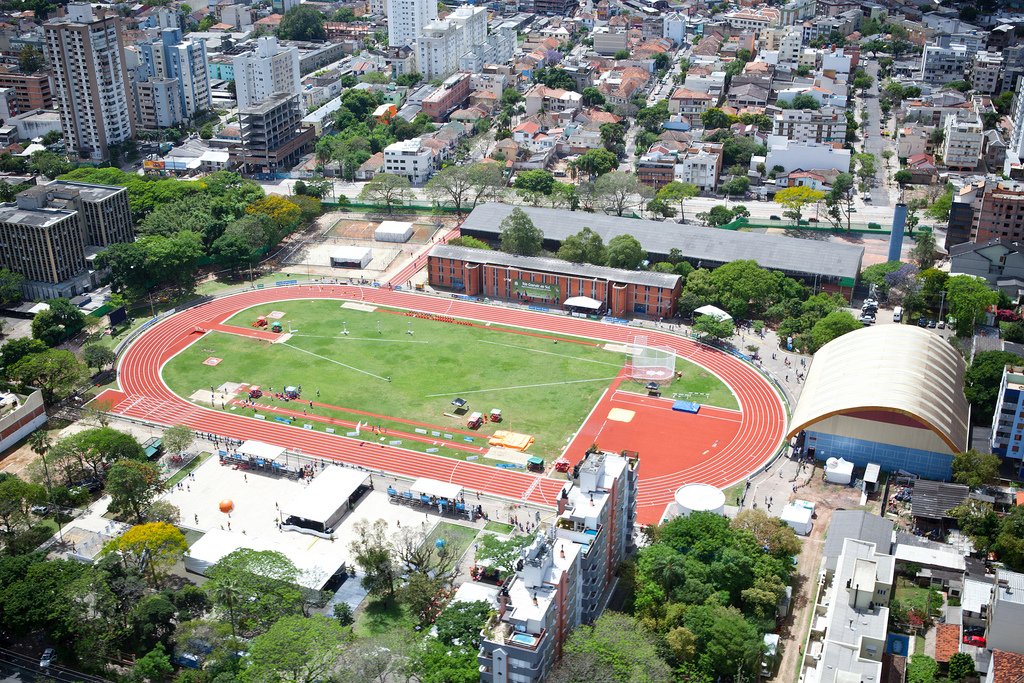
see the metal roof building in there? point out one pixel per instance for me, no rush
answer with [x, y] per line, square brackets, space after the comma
[891, 395]
[709, 247]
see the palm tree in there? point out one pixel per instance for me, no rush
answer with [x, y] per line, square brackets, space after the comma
[228, 593]
[39, 441]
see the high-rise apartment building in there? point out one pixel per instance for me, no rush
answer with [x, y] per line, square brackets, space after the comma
[45, 234]
[168, 56]
[963, 141]
[442, 42]
[267, 70]
[406, 18]
[564, 576]
[87, 59]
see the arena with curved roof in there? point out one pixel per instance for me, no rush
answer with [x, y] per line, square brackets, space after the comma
[891, 395]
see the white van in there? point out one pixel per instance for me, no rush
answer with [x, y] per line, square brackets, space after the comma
[897, 314]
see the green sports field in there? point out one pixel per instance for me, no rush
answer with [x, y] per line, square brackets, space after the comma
[545, 386]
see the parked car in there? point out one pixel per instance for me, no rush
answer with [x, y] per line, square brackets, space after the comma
[40, 510]
[871, 302]
[49, 654]
[932, 323]
[976, 641]
[922, 322]
[942, 324]
[867, 319]
[774, 218]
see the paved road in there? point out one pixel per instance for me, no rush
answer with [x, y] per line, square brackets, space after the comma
[875, 143]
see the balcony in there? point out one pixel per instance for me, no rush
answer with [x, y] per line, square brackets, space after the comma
[503, 633]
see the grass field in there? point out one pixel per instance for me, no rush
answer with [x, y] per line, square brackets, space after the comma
[456, 534]
[544, 386]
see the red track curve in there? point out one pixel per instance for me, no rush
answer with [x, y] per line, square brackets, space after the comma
[762, 417]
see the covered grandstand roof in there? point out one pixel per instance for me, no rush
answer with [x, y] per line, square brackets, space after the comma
[891, 369]
[715, 246]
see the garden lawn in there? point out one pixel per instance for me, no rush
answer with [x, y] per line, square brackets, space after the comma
[696, 384]
[456, 534]
[379, 618]
[544, 386]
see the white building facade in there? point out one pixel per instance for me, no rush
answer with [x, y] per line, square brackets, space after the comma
[791, 155]
[406, 19]
[411, 160]
[265, 71]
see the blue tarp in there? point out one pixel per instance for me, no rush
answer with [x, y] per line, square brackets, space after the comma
[686, 406]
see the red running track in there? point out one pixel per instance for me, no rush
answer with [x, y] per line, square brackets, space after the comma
[762, 418]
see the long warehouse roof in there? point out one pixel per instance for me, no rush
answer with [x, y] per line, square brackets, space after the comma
[788, 254]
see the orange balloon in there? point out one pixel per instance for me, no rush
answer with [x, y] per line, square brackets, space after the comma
[227, 505]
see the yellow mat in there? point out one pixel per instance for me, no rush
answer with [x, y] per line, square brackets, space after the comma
[621, 415]
[513, 440]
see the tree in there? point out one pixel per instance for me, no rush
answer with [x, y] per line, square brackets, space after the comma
[923, 253]
[922, 669]
[60, 322]
[10, 287]
[592, 97]
[651, 118]
[97, 356]
[15, 349]
[16, 500]
[677, 192]
[961, 666]
[461, 622]
[452, 185]
[710, 326]
[715, 118]
[244, 239]
[301, 23]
[55, 372]
[30, 60]
[832, 326]
[617, 643]
[968, 299]
[594, 163]
[982, 379]
[488, 181]
[373, 553]
[470, 242]
[296, 649]
[626, 252]
[49, 164]
[586, 246]
[534, 183]
[939, 209]
[132, 486]
[154, 666]
[283, 213]
[435, 662]
[519, 235]
[903, 177]
[794, 199]
[737, 185]
[154, 547]
[178, 438]
[613, 137]
[619, 190]
[839, 201]
[89, 452]
[975, 469]
[255, 588]
[343, 614]
[978, 521]
[716, 216]
[387, 190]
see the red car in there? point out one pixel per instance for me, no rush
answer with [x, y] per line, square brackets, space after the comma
[977, 641]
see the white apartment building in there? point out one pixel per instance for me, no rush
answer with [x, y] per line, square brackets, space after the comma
[551, 100]
[167, 55]
[406, 18]
[836, 64]
[442, 43]
[796, 11]
[1006, 613]
[90, 79]
[827, 124]
[673, 27]
[699, 167]
[608, 41]
[267, 70]
[806, 156]
[940, 65]
[790, 47]
[986, 72]
[964, 141]
[852, 617]
[411, 160]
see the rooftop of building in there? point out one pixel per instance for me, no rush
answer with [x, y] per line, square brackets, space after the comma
[859, 525]
[553, 265]
[268, 105]
[925, 381]
[1009, 586]
[697, 243]
[37, 218]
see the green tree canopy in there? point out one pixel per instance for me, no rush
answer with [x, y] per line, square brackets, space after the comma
[60, 322]
[832, 326]
[981, 382]
[586, 246]
[255, 588]
[302, 22]
[625, 251]
[296, 649]
[519, 235]
[461, 622]
[710, 326]
[132, 486]
[975, 469]
[968, 299]
[10, 287]
[617, 644]
[57, 373]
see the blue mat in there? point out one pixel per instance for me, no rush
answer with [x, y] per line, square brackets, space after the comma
[686, 406]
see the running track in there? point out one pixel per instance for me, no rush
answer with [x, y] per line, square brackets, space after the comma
[144, 395]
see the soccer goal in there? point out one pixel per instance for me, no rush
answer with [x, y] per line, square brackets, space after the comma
[652, 363]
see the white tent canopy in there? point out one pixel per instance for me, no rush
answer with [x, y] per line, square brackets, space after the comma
[393, 231]
[438, 489]
[584, 302]
[713, 311]
[351, 257]
[329, 492]
[258, 449]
